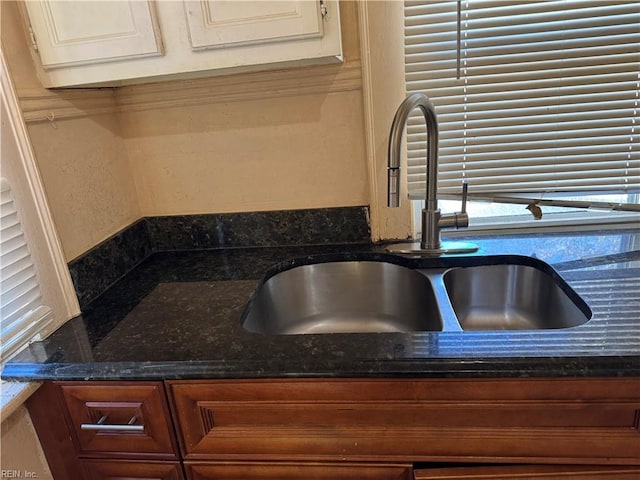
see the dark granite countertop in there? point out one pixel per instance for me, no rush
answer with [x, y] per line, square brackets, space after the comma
[177, 316]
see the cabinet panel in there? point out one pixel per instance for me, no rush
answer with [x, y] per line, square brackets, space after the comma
[529, 472]
[47, 411]
[118, 418]
[433, 420]
[219, 23]
[76, 33]
[130, 470]
[292, 471]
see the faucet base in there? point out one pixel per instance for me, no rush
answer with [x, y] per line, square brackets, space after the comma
[445, 248]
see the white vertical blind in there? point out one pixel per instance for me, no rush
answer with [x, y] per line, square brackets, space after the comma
[22, 313]
[547, 98]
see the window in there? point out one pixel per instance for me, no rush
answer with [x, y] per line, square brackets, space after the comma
[536, 101]
[23, 314]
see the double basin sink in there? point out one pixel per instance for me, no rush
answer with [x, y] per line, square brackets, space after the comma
[464, 294]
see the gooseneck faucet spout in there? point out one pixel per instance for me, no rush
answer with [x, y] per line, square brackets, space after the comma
[432, 219]
[417, 100]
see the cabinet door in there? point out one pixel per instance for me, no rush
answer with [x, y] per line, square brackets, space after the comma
[119, 470]
[86, 32]
[222, 23]
[294, 471]
[529, 472]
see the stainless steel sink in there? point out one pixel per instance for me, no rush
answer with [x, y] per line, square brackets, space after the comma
[450, 294]
[511, 297]
[343, 297]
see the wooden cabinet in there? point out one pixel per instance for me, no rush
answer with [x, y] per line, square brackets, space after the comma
[342, 429]
[84, 42]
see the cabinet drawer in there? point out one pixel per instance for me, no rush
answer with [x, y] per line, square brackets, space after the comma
[527, 472]
[296, 471]
[131, 470]
[120, 419]
[506, 420]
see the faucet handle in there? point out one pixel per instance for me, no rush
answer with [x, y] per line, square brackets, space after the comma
[460, 219]
[465, 193]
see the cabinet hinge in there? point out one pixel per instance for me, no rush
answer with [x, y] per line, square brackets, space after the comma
[323, 9]
[32, 37]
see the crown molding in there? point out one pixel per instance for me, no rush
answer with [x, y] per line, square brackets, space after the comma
[244, 87]
[51, 105]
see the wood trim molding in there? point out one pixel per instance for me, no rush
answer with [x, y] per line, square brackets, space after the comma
[243, 87]
[52, 105]
[369, 120]
[41, 214]
[381, 45]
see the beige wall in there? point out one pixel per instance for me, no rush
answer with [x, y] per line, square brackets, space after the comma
[269, 154]
[19, 447]
[89, 181]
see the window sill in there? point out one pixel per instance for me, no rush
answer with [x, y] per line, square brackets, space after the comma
[13, 395]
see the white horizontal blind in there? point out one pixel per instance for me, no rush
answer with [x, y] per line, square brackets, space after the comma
[547, 99]
[23, 315]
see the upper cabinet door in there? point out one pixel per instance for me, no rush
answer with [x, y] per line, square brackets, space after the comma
[225, 23]
[84, 32]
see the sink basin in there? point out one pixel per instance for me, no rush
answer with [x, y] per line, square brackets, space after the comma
[343, 297]
[512, 297]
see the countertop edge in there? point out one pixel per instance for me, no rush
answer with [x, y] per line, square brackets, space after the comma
[613, 366]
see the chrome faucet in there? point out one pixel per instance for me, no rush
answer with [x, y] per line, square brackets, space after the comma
[432, 220]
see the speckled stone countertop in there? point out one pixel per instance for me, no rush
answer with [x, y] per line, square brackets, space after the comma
[177, 316]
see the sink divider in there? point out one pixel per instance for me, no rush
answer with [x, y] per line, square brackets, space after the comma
[449, 319]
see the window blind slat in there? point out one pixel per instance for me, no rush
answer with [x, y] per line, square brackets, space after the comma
[447, 79]
[539, 119]
[17, 307]
[521, 168]
[576, 133]
[612, 88]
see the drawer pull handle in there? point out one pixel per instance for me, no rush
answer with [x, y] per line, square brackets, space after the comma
[130, 427]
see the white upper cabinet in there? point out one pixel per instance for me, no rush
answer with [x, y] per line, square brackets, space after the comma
[118, 42]
[76, 33]
[228, 23]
